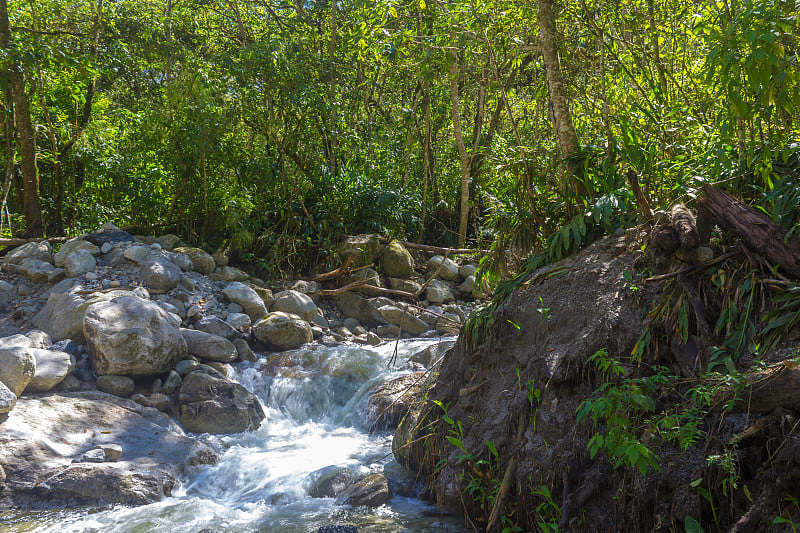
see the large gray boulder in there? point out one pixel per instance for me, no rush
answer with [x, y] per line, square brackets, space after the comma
[202, 261]
[209, 347]
[160, 274]
[62, 316]
[249, 299]
[51, 369]
[36, 270]
[79, 262]
[397, 261]
[131, 336]
[17, 368]
[283, 330]
[438, 292]
[444, 268]
[46, 437]
[72, 246]
[363, 248]
[403, 318]
[356, 306]
[208, 402]
[296, 303]
[32, 250]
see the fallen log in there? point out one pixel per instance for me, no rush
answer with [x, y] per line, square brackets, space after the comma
[18, 241]
[766, 390]
[434, 249]
[758, 232]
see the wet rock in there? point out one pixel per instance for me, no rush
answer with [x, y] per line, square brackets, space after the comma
[43, 437]
[443, 268]
[397, 261]
[202, 262]
[297, 303]
[51, 368]
[74, 245]
[403, 318]
[244, 350]
[338, 529]
[207, 402]
[390, 401]
[363, 248]
[438, 292]
[358, 307]
[41, 251]
[432, 353]
[283, 330]
[247, 298]
[160, 274]
[79, 262]
[121, 386]
[186, 366]
[209, 347]
[372, 491]
[17, 368]
[216, 326]
[390, 331]
[132, 336]
[329, 482]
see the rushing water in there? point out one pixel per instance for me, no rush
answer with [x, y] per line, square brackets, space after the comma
[261, 482]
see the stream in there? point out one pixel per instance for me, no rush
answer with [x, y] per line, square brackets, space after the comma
[315, 421]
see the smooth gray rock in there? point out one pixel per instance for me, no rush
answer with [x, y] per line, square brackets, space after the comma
[160, 274]
[32, 250]
[216, 326]
[51, 369]
[17, 368]
[136, 253]
[79, 262]
[62, 316]
[356, 306]
[444, 268]
[406, 285]
[186, 366]
[7, 399]
[45, 436]
[168, 241]
[228, 273]
[405, 319]
[244, 350]
[439, 292]
[249, 299]
[209, 347]
[296, 303]
[172, 382]
[363, 248]
[283, 330]
[329, 482]
[7, 292]
[238, 320]
[69, 247]
[182, 260]
[117, 385]
[36, 270]
[468, 285]
[467, 270]
[202, 261]
[132, 336]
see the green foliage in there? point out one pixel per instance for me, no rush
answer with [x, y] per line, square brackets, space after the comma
[548, 513]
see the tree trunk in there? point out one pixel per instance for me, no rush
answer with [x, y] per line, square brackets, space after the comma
[462, 152]
[27, 137]
[566, 136]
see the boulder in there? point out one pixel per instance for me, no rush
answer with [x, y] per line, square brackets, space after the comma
[244, 350]
[468, 286]
[403, 318]
[369, 276]
[17, 368]
[356, 306]
[51, 369]
[389, 402]
[36, 270]
[45, 437]
[432, 353]
[7, 401]
[79, 262]
[404, 285]
[372, 491]
[265, 295]
[74, 245]
[62, 316]
[467, 270]
[168, 241]
[160, 274]
[363, 248]
[239, 321]
[131, 336]
[438, 292]
[251, 302]
[297, 303]
[283, 330]
[32, 250]
[329, 482]
[181, 260]
[397, 261]
[32, 339]
[306, 287]
[184, 367]
[443, 267]
[136, 253]
[108, 234]
[202, 261]
[216, 326]
[209, 347]
[171, 383]
[122, 386]
[208, 402]
[228, 273]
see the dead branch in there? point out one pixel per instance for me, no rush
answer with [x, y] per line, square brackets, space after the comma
[693, 268]
[508, 479]
[18, 241]
[336, 273]
[434, 249]
[347, 288]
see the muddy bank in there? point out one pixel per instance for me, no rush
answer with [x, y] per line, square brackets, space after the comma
[583, 402]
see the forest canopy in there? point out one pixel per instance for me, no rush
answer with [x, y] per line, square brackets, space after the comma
[272, 127]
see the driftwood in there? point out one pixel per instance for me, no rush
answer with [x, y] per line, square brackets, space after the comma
[18, 241]
[434, 249]
[336, 273]
[757, 231]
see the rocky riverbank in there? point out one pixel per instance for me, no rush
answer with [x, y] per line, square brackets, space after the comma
[116, 348]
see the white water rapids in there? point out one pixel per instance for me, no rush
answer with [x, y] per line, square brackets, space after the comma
[261, 482]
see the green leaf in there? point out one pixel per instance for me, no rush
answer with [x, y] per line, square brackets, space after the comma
[692, 526]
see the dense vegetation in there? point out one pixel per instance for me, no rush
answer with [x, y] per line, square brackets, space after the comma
[272, 127]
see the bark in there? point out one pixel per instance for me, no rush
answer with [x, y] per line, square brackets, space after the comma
[562, 118]
[766, 390]
[27, 137]
[462, 152]
[758, 232]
